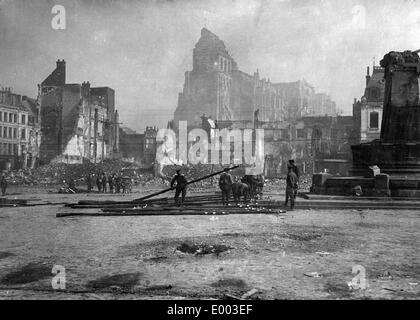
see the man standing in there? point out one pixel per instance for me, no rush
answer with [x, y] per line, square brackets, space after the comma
[103, 182]
[111, 183]
[118, 182]
[3, 185]
[89, 182]
[295, 167]
[225, 184]
[181, 186]
[291, 186]
[296, 171]
[99, 182]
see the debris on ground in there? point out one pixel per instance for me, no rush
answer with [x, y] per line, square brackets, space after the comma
[28, 273]
[249, 293]
[234, 283]
[313, 275]
[117, 282]
[202, 249]
[305, 236]
[386, 275]
[6, 254]
[59, 173]
[323, 253]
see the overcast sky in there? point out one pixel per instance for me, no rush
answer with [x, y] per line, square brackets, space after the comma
[142, 48]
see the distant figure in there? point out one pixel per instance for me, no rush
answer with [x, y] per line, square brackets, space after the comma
[118, 181]
[99, 183]
[89, 182]
[225, 185]
[3, 185]
[240, 189]
[111, 183]
[181, 186]
[291, 187]
[296, 171]
[295, 167]
[104, 181]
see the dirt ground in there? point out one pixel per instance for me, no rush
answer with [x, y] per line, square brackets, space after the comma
[304, 254]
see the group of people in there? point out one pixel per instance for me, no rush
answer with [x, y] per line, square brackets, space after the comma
[247, 188]
[111, 183]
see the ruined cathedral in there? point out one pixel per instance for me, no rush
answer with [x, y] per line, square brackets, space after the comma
[216, 88]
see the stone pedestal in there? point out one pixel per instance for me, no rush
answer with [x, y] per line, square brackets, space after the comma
[398, 150]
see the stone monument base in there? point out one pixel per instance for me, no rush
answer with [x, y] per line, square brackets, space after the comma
[399, 159]
[379, 169]
[382, 185]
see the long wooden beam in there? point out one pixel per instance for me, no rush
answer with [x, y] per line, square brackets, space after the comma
[190, 182]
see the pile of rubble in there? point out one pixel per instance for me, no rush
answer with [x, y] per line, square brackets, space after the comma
[276, 184]
[57, 173]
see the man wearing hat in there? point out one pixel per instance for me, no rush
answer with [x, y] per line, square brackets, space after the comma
[295, 167]
[181, 186]
[291, 186]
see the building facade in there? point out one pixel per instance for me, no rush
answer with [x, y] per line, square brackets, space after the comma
[139, 147]
[79, 123]
[217, 89]
[20, 133]
[367, 111]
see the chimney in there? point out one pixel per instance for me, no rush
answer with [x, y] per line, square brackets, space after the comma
[61, 72]
[367, 76]
[61, 63]
[86, 89]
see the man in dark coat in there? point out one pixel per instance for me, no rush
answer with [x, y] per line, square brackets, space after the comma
[104, 181]
[291, 187]
[295, 167]
[296, 171]
[99, 182]
[118, 183]
[3, 185]
[181, 186]
[111, 183]
[225, 185]
[89, 182]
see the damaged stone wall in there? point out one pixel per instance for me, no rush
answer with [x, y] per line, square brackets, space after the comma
[79, 123]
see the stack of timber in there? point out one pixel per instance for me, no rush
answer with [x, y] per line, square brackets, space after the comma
[193, 205]
[5, 202]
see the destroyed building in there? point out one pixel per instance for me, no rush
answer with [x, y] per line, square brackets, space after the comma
[298, 123]
[367, 111]
[79, 122]
[20, 132]
[217, 88]
[139, 147]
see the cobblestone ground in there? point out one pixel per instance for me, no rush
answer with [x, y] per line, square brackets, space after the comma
[304, 254]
